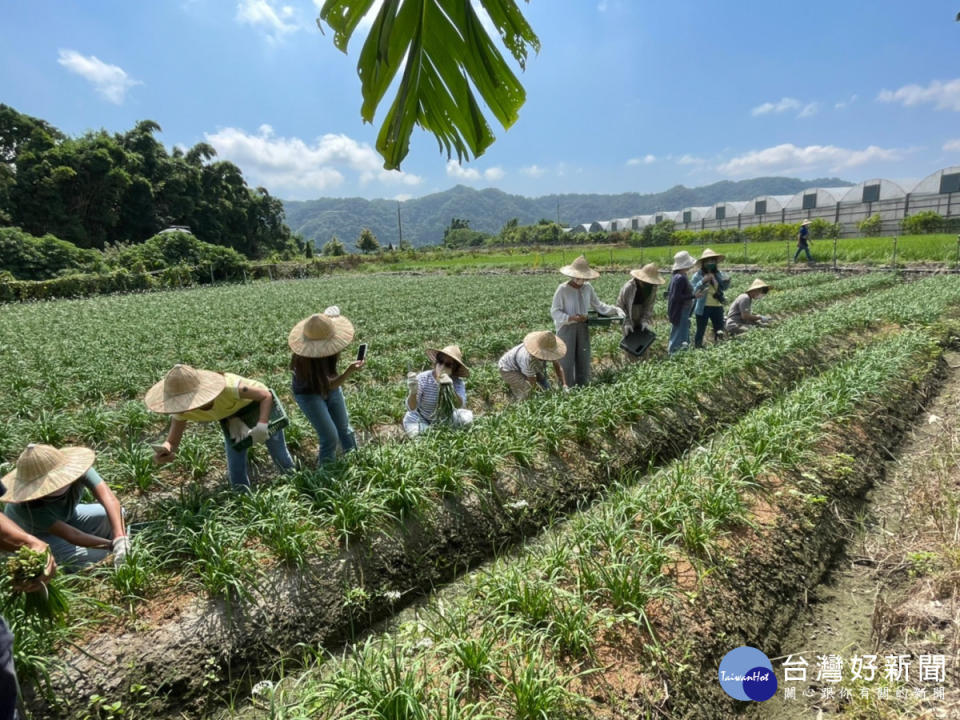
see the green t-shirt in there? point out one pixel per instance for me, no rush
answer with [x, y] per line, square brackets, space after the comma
[38, 516]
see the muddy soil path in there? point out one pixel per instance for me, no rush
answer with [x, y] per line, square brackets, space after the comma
[892, 592]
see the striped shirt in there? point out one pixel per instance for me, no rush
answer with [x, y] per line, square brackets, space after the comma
[519, 360]
[428, 391]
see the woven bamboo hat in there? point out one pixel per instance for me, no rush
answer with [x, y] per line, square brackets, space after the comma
[758, 284]
[580, 269]
[805, 222]
[451, 351]
[544, 345]
[184, 388]
[683, 261]
[707, 254]
[321, 334]
[42, 469]
[649, 273]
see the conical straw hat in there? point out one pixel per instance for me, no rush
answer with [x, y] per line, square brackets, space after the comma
[649, 273]
[321, 335]
[683, 261]
[544, 345]
[42, 469]
[579, 269]
[708, 253]
[184, 388]
[451, 351]
[758, 284]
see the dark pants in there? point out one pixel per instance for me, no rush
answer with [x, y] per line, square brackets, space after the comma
[803, 248]
[8, 678]
[715, 316]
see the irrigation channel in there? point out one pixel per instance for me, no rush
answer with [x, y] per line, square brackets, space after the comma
[723, 540]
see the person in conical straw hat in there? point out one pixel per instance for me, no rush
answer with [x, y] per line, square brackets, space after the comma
[571, 303]
[42, 497]
[708, 286]
[636, 300]
[424, 389]
[680, 302]
[188, 394]
[317, 342]
[740, 316]
[803, 241]
[524, 367]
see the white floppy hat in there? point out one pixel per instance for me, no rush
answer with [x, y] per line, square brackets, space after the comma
[43, 469]
[683, 261]
[649, 273]
[580, 269]
[321, 334]
[544, 345]
[184, 388]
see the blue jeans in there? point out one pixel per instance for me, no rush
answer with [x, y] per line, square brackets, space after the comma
[237, 460]
[679, 334]
[8, 677]
[712, 314]
[805, 249]
[330, 419]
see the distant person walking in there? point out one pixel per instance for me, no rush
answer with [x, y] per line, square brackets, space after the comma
[803, 241]
[571, 302]
[680, 302]
[636, 300]
[740, 316]
[708, 285]
[524, 367]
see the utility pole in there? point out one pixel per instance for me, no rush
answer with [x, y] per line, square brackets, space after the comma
[558, 209]
[399, 227]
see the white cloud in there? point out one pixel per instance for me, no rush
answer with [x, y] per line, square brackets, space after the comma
[533, 171]
[778, 107]
[952, 146]
[402, 197]
[263, 14]
[944, 96]
[455, 170]
[292, 168]
[788, 158]
[110, 81]
[493, 174]
[645, 160]
[690, 160]
[809, 109]
[846, 103]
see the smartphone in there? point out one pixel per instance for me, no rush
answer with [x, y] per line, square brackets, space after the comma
[362, 352]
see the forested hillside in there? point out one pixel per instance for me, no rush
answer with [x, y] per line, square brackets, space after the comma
[424, 219]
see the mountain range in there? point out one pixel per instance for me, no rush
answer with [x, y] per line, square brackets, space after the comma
[424, 219]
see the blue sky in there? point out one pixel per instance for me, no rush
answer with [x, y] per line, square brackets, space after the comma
[624, 96]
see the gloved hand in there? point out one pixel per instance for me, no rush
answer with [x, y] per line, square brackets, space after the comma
[645, 327]
[621, 314]
[445, 379]
[237, 429]
[120, 547]
[259, 432]
[412, 382]
[332, 311]
[566, 388]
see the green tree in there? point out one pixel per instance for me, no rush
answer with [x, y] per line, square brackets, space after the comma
[367, 242]
[445, 52]
[333, 247]
[870, 227]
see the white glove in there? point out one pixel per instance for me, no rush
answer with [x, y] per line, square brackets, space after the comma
[332, 311]
[645, 327]
[566, 388]
[259, 432]
[412, 382]
[621, 314]
[120, 547]
[237, 429]
[445, 379]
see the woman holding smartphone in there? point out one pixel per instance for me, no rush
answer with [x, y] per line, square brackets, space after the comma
[316, 343]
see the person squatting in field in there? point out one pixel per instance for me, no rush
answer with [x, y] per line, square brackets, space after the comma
[680, 298]
[43, 498]
[316, 343]
[740, 316]
[424, 390]
[571, 302]
[708, 286]
[186, 394]
[524, 367]
[636, 300]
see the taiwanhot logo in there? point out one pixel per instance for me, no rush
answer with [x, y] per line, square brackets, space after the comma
[747, 674]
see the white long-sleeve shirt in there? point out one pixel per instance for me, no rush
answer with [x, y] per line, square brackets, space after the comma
[568, 300]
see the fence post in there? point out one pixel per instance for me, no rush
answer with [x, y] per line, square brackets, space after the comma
[611, 257]
[744, 249]
[788, 254]
[894, 253]
[834, 254]
[270, 272]
[211, 273]
[244, 275]
[958, 252]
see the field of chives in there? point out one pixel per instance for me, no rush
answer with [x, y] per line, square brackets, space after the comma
[673, 458]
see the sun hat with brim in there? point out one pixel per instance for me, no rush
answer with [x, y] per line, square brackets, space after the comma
[320, 335]
[453, 352]
[649, 273]
[683, 261]
[805, 222]
[544, 345]
[707, 254]
[183, 389]
[580, 269]
[43, 469]
[758, 284]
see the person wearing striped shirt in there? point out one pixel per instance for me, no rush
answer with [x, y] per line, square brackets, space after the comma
[423, 391]
[524, 367]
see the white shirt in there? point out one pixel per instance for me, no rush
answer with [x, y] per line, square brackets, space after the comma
[568, 300]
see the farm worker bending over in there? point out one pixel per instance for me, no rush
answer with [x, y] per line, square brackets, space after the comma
[636, 300]
[204, 396]
[524, 367]
[12, 538]
[426, 392]
[708, 286]
[316, 343]
[680, 302]
[571, 302]
[43, 497]
[739, 317]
